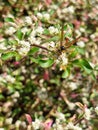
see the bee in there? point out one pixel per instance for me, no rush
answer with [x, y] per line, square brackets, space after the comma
[62, 46]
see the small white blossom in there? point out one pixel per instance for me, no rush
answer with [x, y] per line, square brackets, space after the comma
[64, 59]
[70, 9]
[16, 95]
[25, 44]
[10, 30]
[87, 114]
[28, 20]
[73, 85]
[23, 51]
[60, 116]
[8, 121]
[81, 44]
[39, 30]
[18, 123]
[9, 78]
[78, 33]
[71, 126]
[53, 30]
[36, 124]
[2, 46]
[39, 15]
[92, 36]
[46, 16]
[96, 110]
[71, 105]
[24, 30]
[82, 29]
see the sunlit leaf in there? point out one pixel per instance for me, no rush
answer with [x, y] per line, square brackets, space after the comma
[8, 19]
[46, 63]
[19, 34]
[8, 55]
[66, 73]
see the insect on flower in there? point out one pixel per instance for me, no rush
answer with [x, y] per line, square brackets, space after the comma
[67, 44]
[63, 46]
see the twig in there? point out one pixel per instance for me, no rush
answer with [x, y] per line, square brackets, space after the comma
[41, 47]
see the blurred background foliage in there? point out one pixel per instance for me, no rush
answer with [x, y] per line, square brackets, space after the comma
[33, 83]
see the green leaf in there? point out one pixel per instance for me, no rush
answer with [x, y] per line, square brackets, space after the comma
[85, 63]
[19, 34]
[65, 27]
[8, 55]
[27, 34]
[71, 25]
[66, 73]
[8, 19]
[46, 31]
[46, 63]
[13, 42]
[33, 50]
[80, 50]
[73, 54]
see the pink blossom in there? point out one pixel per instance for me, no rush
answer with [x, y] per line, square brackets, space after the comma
[16, 63]
[74, 95]
[47, 125]
[46, 75]
[48, 2]
[77, 23]
[29, 119]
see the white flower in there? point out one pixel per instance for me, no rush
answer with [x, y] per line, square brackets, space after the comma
[24, 30]
[81, 44]
[71, 9]
[8, 121]
[87, 114]
[23, 51]
[25, 44]
[39, 15]
[71, 105]
[73, 85]
[64, 59]
[25, 48]
[9, 78]
[46, 16]
[39, 30]
[60, 116]
[18, 123]
[82, 29]
[71, 126]
[96, 110]
[92, 36]
[28, 20]
[53, 30]
[10, 30]
[78, 33]
[2, 46]
[36, 124]
[16, 95]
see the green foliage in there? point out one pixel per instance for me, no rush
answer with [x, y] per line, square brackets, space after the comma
[8, 55]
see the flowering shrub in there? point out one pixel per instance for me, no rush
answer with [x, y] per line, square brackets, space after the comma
[49, 64]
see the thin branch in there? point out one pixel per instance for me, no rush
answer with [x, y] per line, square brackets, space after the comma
[41, 47]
